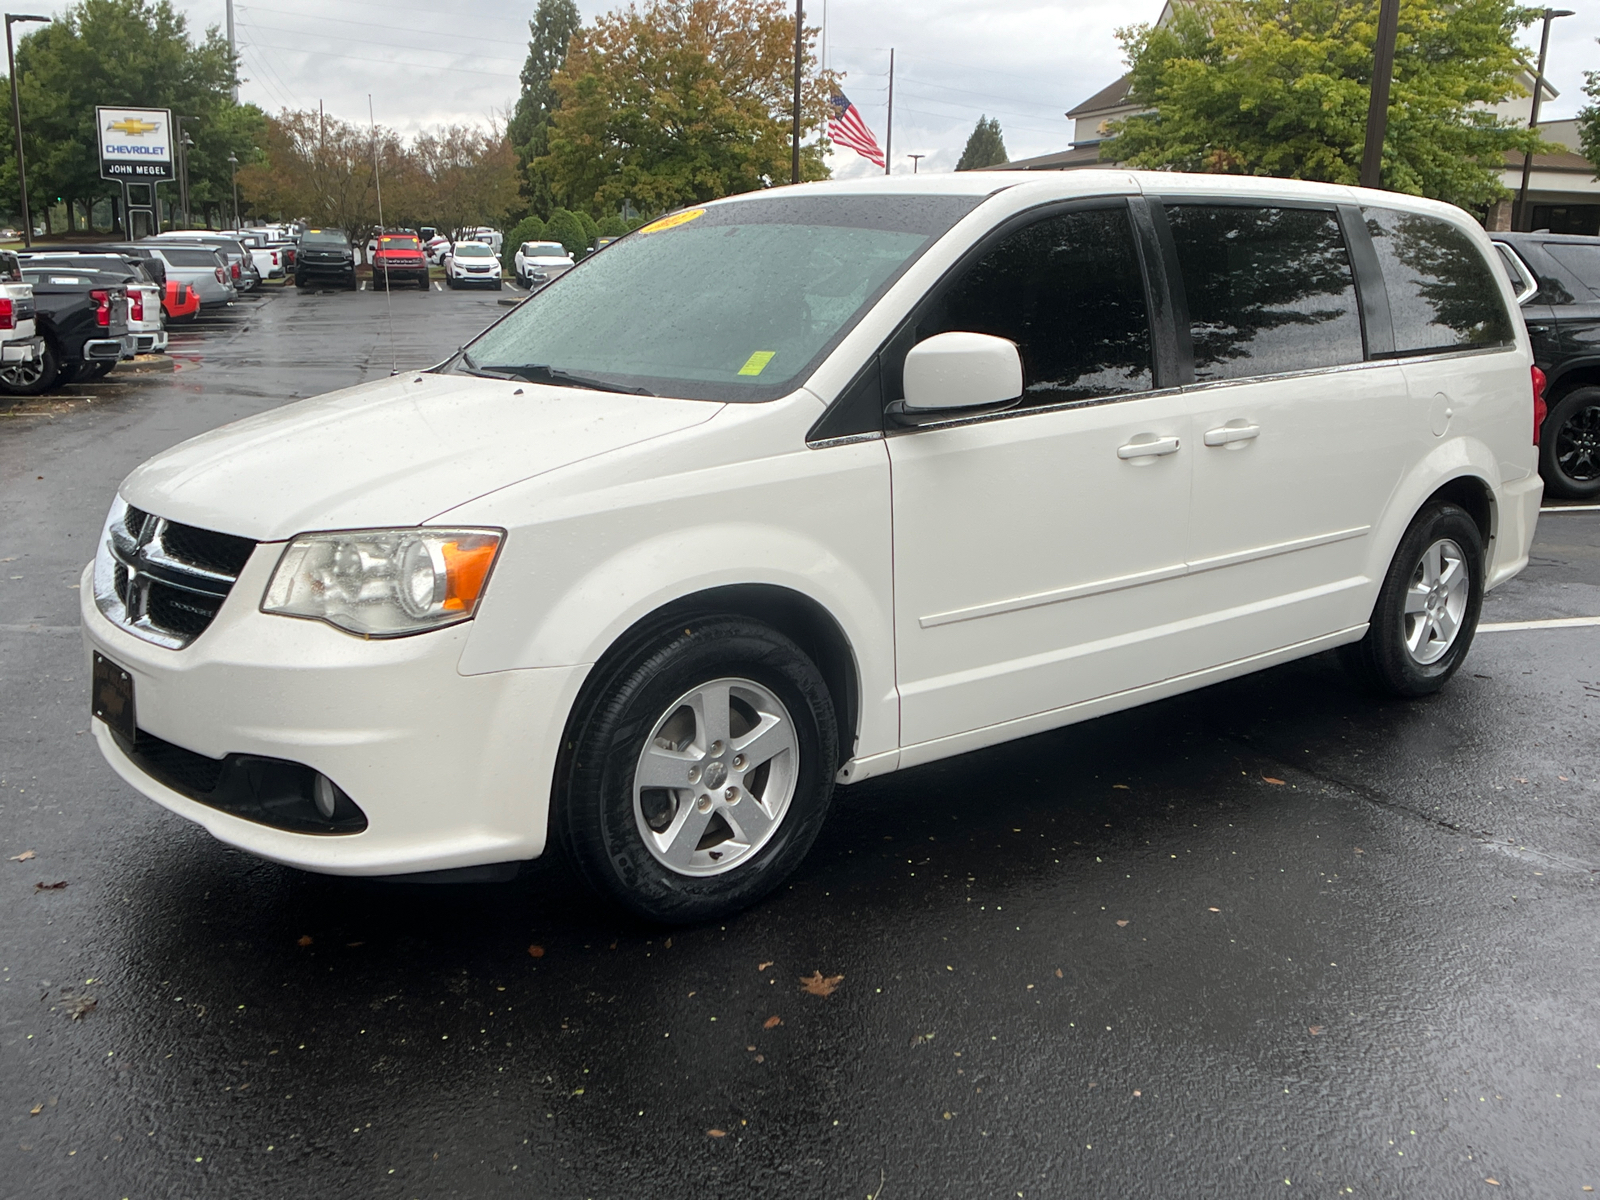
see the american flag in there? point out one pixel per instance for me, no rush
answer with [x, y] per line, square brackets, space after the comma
[848, 129]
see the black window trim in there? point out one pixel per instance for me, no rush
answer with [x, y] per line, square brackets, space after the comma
[868, 384]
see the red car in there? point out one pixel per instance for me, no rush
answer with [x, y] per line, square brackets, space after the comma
[399, 255]
[180, 301]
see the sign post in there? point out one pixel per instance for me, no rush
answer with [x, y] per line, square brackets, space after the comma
[136, 151]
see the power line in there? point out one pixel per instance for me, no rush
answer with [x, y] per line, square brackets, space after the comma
[385, 62]
[367, 25]
[400, 46]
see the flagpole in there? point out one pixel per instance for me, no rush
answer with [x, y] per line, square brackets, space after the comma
[888, 133]
[799, 47]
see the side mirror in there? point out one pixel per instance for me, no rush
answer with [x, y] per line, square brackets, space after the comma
[952, 373]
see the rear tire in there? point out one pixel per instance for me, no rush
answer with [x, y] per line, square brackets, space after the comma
[1569, 446]
[1427, 611]
[746, 717]
[30, 379]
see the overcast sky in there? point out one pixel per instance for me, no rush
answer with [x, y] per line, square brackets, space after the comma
[1023, 61]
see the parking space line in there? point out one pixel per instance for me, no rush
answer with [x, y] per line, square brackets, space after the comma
[1571, 508]
[1551, 623]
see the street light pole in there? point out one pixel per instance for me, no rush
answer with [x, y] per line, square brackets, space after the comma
[233, 170]
[16, 114]
[1378, 101]
[183, 144]
[1520, 218]
[799, 58]
[916, 161]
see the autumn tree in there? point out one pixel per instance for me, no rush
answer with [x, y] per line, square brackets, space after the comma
[466, 176]
[137, 53]
[554, 22]
[1280, 87]
[678, 102]
[320, 169]
[985, 148]
[1589, 118]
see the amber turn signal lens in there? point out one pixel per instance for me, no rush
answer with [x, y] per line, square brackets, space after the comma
[466, 567]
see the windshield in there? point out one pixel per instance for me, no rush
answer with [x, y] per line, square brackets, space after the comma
[190, 258]
[324, 237]
[735, 301]
[399, 242]
[543, 250]
[473, 250]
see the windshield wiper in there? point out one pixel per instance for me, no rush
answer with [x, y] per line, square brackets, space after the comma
[540, 373]
[472, 368]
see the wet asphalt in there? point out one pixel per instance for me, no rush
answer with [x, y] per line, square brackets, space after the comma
[1272, 938]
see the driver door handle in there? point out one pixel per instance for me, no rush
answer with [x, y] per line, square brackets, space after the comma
[1151, 449]
[1226, 435]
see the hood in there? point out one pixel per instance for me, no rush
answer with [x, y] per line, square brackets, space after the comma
[391, 453]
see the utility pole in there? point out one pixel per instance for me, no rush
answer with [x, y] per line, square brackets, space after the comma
[916, 161]
[1378, 102]
[183, 143]
[888, 129]
[233, 51]
[799, 53]
[1520, 218]
[16, 113]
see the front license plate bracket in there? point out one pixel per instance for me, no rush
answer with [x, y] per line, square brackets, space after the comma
[111, 698]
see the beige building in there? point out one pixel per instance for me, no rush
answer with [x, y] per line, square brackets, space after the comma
[1563, 193]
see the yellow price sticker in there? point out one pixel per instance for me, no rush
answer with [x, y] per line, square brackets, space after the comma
[676, 219]
[757, 362]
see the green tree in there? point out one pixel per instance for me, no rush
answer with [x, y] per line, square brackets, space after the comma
[126, 52]
[1280, 87]
[681, 101]
[985, 148]
[550, 32]
[529, 229]
[564, 227]
[1589, 119]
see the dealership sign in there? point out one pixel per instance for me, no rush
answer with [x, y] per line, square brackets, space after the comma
[135, 144]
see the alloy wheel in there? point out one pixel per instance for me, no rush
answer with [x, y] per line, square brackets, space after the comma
[1436, 601]
[1578, 445]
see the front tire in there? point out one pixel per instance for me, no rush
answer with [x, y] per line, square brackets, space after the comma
[1569, 446]
[702, 766]
[1427, 612]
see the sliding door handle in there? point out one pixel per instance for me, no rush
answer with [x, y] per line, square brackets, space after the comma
[1154, 448]
[1227, 435]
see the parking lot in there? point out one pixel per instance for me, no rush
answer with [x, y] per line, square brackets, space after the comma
[1269, 938]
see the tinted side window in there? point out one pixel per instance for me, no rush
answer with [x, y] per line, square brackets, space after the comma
[1269, 289]
[1583, 261]
[1068, 290]
[1442, 294]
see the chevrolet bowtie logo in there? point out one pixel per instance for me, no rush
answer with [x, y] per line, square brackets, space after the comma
[133, 127]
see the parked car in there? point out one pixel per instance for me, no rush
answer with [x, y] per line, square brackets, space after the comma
[200, 267]
[436, 248]
[144, 299]
[398, 256]
[179, 300]
[537, 263]
[20, 345]
[82, 317]
[811, 485]
[472, 263]
[237, 261]
[326, 256]
[265, 251]
[492, 238]
[1557, 281]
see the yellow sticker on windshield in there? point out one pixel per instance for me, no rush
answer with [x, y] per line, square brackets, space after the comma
[682, 218]
[757, 362]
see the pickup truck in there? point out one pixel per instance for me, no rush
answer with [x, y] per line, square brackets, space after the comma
[144, 296]
[20, 347]
[82, 317]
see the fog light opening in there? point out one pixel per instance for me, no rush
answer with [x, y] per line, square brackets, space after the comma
[325, 794]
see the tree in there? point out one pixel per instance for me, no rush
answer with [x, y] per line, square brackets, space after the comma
[529, 229]
[680, 102]
[1589, 119]
[319, 169]
[985, 148]
[565, 228]
[1280, 87]
[554, 22]
[467, 176]
[125, 52]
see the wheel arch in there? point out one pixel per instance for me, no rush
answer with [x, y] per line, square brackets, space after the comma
[1572, 374]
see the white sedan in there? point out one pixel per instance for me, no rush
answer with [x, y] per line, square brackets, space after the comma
[471, 262]
[537, 263]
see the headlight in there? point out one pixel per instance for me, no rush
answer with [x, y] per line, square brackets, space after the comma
[383, 582]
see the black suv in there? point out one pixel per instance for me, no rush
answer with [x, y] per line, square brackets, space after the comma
[325, 255]
[1557, 280]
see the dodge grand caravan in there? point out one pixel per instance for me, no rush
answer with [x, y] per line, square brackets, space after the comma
[810, 485]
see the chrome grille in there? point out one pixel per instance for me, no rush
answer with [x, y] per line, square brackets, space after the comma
[161, 580]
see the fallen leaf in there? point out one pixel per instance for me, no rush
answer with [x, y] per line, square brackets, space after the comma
[1316, 1029]
[36, 1110]
[50, 887]
[752, 1049]
[1491, 1179]
[1058, 973]
[667, 945]
[1213, 910]
[535, 951]
[1270, 779]
[1359, 850]
[80, 1006]
[763, 966]
[23, 857]
[1564, 779]
[761, 1058]
[716, 1133]
[305, 940]
[818, 985]
[1121, 924]
[1137, 1092]
[1120, 787]
[771, 1022]
[353, 945]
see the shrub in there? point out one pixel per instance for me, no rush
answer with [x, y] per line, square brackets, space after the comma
[529, 229]
[564, 227]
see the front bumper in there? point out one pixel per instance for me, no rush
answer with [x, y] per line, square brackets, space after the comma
[21, 351]
[450, 770]
[112, 349]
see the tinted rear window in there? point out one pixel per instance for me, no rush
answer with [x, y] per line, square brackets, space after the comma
[1583, 261]
[1269, 289]
[189, 258]
[1443, 295]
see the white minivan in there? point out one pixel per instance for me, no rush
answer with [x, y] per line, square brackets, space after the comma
[806, 486]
